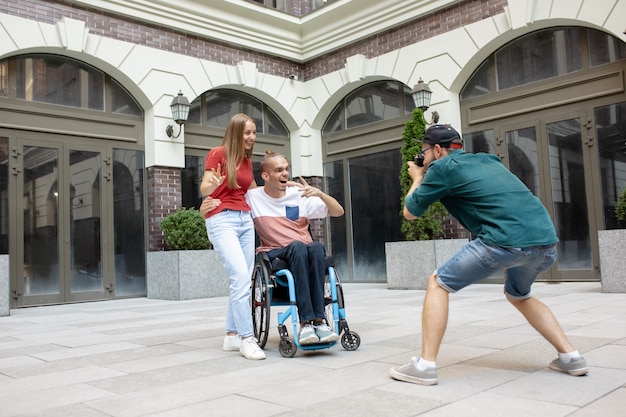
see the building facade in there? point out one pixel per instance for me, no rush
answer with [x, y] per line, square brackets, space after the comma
[89, 168]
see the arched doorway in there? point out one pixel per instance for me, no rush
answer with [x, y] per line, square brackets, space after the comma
[74, 180]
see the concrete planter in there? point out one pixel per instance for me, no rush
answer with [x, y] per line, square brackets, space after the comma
[612, 245]
[186, 275]
[5, 286]
[409, 264]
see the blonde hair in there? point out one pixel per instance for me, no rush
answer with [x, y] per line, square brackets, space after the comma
[234, 147]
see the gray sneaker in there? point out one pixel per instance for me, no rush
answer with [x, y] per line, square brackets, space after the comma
[307, 335]
[325, 334]
[410, 373]
[576, 367]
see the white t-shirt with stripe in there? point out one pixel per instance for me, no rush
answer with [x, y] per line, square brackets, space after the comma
[280, 221]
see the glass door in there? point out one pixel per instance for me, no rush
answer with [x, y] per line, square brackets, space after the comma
[571, 195]
[60, 219]
[551, 157]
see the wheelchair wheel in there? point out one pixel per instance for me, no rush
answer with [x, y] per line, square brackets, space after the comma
[350, 341]
[260, 303]
[287, 348]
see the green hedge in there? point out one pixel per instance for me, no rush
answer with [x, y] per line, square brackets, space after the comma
[185, 230]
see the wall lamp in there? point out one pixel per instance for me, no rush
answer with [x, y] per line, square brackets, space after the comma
[421, 97]
[180, 111]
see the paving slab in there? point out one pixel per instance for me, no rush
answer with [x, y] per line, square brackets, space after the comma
[162, 358]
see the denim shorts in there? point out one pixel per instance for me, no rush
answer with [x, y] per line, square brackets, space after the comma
[478, 260]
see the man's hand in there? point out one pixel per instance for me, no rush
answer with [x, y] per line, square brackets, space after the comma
[209, 204]
[416, 172]
[334, 208]
[308, 190]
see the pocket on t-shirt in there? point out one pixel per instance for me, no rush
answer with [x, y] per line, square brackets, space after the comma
[292, 213]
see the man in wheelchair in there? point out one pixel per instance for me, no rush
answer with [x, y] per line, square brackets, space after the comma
[281, 210]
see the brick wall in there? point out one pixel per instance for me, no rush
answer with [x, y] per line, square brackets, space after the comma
[452, 229]
[426, 27]
[164, 198]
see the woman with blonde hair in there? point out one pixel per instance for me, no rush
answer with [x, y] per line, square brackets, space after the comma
[227, 176]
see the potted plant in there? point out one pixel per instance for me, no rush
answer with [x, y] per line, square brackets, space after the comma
[188, 269]
[185, 230]
[424, 235]
[612, 246]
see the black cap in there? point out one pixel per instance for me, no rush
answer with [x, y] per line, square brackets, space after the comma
[442, 135]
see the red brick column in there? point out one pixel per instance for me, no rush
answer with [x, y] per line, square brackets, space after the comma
[164, 198]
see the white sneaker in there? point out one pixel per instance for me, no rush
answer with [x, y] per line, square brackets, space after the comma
[231, 343]
[250, 350]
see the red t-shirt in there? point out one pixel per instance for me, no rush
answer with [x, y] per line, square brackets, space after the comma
[231, 199]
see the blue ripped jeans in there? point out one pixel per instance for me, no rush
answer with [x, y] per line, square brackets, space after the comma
[478, 260]
[232, 234]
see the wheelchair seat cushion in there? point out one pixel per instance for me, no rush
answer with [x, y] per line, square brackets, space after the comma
[279, 263]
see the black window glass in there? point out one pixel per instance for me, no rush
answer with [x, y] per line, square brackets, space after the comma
[194, 112]
[59, 80]
[611, 131]
[606, 48]
[275, 126]
[483, 141]
[478, 84]
[334, 121]
[4, 195]
[372, 103]
[191, 177]
[538, 56]
[375, 201]
[122, 102]
[221, 105]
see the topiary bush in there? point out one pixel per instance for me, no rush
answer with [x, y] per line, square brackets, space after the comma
[429, 225]
[620, 206]
[185, 230]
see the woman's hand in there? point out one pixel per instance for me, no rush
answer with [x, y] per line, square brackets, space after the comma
[209, 204]
[211, 180]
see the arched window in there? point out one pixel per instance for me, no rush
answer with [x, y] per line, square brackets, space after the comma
[221, 105]
[370, 103]
[541, 55]
[64, 81]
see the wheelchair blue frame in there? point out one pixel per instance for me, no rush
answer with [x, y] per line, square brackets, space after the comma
[285, 278]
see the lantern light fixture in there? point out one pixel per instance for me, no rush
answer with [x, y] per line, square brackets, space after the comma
[180, 111]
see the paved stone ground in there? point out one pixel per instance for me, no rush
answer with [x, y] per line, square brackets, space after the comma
[144, 357]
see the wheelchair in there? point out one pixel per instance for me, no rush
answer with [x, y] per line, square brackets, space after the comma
[273, 285]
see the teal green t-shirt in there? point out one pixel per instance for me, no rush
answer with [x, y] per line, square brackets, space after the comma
[486, 198]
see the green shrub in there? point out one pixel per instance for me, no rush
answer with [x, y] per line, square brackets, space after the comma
[185, 230]
[429, 225]
[620, 206]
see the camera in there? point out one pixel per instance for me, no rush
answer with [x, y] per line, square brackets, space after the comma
[419, 159]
